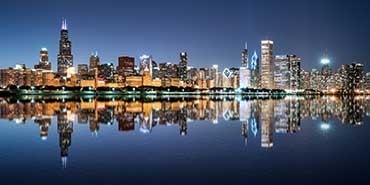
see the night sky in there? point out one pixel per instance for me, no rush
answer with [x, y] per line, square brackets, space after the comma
[211, 31]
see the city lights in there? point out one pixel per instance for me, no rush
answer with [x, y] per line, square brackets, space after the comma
[262, 76]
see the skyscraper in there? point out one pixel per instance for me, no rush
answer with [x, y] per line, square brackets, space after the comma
[245, 56]
[281, 72]
[183, 65]
[146, 62]
[83, 71]
[255, 71]
[287, 72]
[94, 61]
[126, 66]
[244, 72]
[65, 57]
[267, 78]
[44, 60]
[352, 78]
[106, 72]
[295, 72]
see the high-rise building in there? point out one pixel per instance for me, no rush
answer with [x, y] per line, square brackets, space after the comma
[191, 74]
[287, 72]
[367, 81]
[126, 66]
[83, 70]
[244, 59]
[106, 72]
[94, 61]
[183, 65]
[294, 72]
[44, 60]
[65, 57]
[267, 76]
[146, 62]
[352, 78]
[281, 72]
[214, 76]
[167, 70]
[254, 67]
[244, 72]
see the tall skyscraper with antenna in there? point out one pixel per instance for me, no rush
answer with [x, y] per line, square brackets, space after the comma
[245, 55]
[244, 71]
[65, 57]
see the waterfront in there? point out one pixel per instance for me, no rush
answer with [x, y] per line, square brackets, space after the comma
[297, 140]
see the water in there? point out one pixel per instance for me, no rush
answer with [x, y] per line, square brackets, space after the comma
[294, 140]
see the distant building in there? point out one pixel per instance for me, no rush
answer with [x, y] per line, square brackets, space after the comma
[281, 72]
[244, 56]
[94, 61]
[146, 62]
[244, 72]
[106, 72]
[167, 70]
[295, 72]
[126, 66]
[352, 78]
[367, 81]
[183, 65]
[83, 71]
[65, 57]
[254, 67]
[44, 60]
[267, 78]
[287, 72]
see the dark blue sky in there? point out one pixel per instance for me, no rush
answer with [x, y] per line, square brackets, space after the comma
[211, 31]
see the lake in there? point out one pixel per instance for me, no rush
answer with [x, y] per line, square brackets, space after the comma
[204, 140]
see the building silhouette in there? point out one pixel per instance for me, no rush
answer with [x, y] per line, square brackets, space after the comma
[65, 57]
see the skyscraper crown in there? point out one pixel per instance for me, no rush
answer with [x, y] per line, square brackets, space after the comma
[64, 24]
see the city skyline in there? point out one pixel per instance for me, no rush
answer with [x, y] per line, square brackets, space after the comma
[243, 17]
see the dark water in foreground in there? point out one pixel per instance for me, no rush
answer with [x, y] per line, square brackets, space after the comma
[289, 141]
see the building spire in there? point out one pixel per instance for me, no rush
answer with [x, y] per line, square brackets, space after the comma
[246, 45]
[64, 24]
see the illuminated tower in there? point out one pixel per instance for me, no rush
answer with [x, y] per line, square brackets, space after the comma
[267, 78]
[295, 72]
[146, 62]
[65, 57]
[94, 61]
[255, 73]
[245, 56]
[281, 72]
[244, 72]
[183, 65]
[44, 60]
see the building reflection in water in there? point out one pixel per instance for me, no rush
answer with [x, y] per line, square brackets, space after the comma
[65, 128]
[255, 116]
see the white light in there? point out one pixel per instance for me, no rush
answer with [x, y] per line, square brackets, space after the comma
[325, 61]
[324, 126]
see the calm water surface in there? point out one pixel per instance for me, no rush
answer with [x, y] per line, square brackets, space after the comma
[201, 141]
